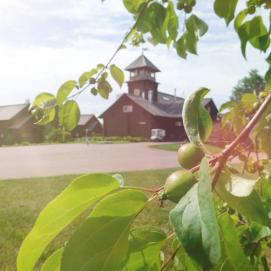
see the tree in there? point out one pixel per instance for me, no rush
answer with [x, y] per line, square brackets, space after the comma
[223, 221]
[253, 83]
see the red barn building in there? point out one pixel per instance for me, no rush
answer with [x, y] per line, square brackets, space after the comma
[17, 124]
[88, 125]
[145, 108]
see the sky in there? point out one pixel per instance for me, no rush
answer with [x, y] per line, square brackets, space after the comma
[46, 42]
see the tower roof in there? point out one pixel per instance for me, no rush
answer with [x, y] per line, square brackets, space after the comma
[142, 62]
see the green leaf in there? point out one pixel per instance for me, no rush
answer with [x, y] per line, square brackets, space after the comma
[69, 115]
[53, 262]
[248, 100]
[104, 88]
[251, 206]
[267, 78]
[241, 185]
[120, 178]
[171, 22]
[42, 99]
[156, 18]
[227, 105]
[94, 91]
[86, 76]
[255, 32]
[196, 25]
[191, 42]
[181, 47]
[198, 123]
[235, 257]
[117, 74]
[48, 115]
[239, 19]
[144, 249]
[225, 9]
[101, 243]
[64, 91]
[60, 212]
[133, 6]
[194, 221]
[182, 261]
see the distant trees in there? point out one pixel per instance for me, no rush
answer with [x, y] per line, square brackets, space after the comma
[254, 82]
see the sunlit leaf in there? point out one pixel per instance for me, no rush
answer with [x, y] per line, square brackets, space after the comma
[86, 76]
[104, 88]
[101, 243]
[144, 249]
[60, 212]
[171, 21]
[42, 99]
[241, 185]
[255, 32]
[236, 259]
[69, 115]
[267, 78]
[195, 25]
[198, 123]
[227, 105]
[64, 91]
[117, 74]
[194, 221]
[251, 206]
[53, 262]
[133, 5]
[225, 9]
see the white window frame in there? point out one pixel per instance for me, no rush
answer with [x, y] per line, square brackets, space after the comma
[127, 108]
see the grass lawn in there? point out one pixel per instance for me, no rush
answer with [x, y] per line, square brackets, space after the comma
[22, 200]
[167, 146]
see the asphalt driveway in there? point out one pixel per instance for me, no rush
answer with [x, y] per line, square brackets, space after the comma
[53, 160]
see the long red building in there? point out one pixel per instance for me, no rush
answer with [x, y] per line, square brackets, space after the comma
[144, 108]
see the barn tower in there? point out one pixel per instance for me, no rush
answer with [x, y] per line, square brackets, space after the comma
[142, 81]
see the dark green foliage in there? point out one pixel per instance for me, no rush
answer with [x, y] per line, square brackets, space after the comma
[253, 83]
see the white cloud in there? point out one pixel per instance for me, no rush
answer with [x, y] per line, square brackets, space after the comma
[46, 42]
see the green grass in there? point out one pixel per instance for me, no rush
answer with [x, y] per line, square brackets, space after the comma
[167, 147]
[22, 200]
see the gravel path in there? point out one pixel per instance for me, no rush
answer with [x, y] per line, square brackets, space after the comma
[53, 160]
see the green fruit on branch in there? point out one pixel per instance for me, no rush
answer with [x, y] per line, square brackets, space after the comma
[177, 185]
[180, 6]
[188, 8]
[251, 10]
[189, 155]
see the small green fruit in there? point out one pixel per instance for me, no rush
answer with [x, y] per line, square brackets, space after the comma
[188, 8]
[251, 10]
[180, 6]
[177, 185]
[189, 155]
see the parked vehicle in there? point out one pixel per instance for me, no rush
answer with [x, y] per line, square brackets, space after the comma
[158, 134]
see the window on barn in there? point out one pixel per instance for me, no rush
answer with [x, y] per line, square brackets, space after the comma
[137, 92]
[178, 124]
[127, 108]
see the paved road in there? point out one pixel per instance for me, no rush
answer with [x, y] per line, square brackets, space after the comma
[53, 160]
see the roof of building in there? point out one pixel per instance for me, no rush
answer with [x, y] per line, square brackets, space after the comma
[20, 123]
[165, 97]
[7, 112]
[84, 119]
[142, 62]
[172, 108]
